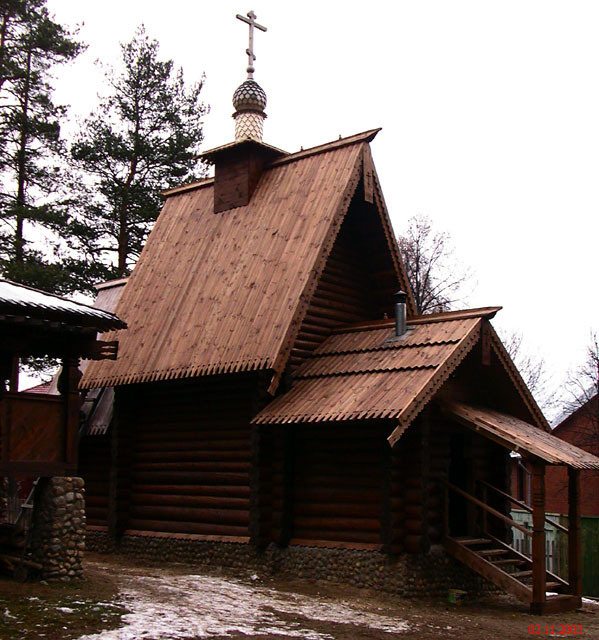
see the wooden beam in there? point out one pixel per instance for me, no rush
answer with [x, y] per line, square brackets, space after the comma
[538, 536]
[72, 402]
[574, 538]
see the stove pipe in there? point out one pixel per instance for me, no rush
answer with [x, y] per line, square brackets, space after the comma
[400, 312]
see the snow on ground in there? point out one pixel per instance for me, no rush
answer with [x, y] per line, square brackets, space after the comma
[194, 606]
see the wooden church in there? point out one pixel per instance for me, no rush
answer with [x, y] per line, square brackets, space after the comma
[273, 387]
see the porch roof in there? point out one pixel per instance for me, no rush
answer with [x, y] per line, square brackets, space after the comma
[521, 436]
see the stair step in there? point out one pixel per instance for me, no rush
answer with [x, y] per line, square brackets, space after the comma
[469, 541]
[492, 552]
[550, 586]
[509, 561]
[521, 574]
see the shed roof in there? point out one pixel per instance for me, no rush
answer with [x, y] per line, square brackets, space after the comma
[521, 436]
[221, 293]
[17, 300]
[368, 373]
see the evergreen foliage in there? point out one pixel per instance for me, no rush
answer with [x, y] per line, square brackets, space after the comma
[143, 138]
[31, 45]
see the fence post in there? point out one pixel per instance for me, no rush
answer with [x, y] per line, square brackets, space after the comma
[538, 538]
[574, 541]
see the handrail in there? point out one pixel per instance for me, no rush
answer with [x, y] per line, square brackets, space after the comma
[489, 509]
[523, 505]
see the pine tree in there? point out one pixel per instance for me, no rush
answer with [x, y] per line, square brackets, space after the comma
[143, 138]
[31, 45]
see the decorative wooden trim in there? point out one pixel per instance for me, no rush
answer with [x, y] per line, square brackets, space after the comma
[463, 347]
[392, 241]
[319, 265]
[516, 378]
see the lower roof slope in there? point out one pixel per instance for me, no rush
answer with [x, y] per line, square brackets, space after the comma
[368, 373]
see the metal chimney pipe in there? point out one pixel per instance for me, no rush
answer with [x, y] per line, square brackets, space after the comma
[401, 298]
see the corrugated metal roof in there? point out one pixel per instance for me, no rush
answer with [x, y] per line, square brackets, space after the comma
[219, 293]
[369, 374]
[19, 300]
[521, 436]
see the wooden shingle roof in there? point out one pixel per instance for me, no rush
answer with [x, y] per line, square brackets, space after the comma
[521, 436]
[366, 373]
[220, 293]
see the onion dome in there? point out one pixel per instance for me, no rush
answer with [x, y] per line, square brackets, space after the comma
[249, 96]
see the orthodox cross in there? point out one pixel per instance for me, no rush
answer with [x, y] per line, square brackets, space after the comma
[251, 21]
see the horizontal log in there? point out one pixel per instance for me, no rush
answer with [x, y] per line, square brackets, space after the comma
[338, 494]
[190, 477]
[215, 465]
[192, 489]
[415, 544]
[194, 455]
[223, 502]
[413, 496]
[178, 441]
[190, 514]
[413, 511]
[334, 535]
[413, 526]
[188, 527]
[95, 501]
[349, 510]
[96, 513]
[336, 524]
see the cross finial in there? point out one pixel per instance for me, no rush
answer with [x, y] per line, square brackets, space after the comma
[251, 21]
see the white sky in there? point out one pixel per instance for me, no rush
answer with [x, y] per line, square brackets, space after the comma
[489, 110]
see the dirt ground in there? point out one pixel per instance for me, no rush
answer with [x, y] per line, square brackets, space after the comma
[121, 599]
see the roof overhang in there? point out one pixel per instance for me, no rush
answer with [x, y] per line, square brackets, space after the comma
[520, 436]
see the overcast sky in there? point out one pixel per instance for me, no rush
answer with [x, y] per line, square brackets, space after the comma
[489, 114]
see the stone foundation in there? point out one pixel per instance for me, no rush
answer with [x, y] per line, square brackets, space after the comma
[407, 575]
[58, 528]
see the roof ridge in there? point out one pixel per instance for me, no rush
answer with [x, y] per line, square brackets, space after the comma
[364, 136]
[443, 316]
[197, 184]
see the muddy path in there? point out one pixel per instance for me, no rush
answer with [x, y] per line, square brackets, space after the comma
[122, 599]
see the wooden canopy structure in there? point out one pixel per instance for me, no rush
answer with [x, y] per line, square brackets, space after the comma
[38, 431]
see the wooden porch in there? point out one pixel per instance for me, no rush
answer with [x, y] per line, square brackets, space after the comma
[486, 548]
[525, 577]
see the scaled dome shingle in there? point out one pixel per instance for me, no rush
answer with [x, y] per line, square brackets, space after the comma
[249, 95]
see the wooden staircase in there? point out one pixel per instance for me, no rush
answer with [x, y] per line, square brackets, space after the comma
[509, 570]
[524, 577]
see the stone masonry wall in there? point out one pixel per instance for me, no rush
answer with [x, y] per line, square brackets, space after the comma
[58, 528]
[408, 575]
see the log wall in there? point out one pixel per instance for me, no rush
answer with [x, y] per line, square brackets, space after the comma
[190, 455]
[94, 468]
[327, 483]
[357, 283]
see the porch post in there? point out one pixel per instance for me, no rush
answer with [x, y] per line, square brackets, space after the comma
[574, 550]
[538, 537]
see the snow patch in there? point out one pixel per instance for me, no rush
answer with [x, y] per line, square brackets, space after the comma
[178, 607]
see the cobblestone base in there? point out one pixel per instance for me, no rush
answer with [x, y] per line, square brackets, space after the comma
[408, 575]
[58, 528]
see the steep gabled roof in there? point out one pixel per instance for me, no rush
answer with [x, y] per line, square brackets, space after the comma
[365, 373]
[226, 292]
